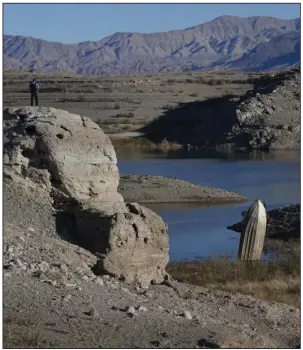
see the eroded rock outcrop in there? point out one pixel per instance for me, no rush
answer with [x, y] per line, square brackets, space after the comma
[62, 151]
[265, 118]
[269, 115]
[75, 162]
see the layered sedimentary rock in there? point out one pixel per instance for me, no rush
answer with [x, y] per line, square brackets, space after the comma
[74, 160]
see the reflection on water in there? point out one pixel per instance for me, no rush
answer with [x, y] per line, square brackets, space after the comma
[196, 230]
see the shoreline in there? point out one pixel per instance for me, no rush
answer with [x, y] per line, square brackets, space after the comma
[148, 189]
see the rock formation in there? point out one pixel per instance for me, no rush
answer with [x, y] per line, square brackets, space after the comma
[265, 118]
[71, 157]
[269, 115]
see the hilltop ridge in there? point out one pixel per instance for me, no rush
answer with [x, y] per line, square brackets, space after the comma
[226, 42]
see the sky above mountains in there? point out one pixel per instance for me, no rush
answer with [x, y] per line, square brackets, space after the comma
[74, 23]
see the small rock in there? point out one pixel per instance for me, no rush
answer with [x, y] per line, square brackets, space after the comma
[37, 274]
[31, 229]
[67, 298]
[7, 265]
[262, 133]
[164, 334]
[85, 278]
[160, 307]
[106, 277]
[155, 343]
[79, 271]
[69, 285]
[148, 294]
[63, 268]
[21, 265]
[142, 308]
[99, 281]
[130, 310]
[186, 314]
[43, 266]
[33, 267]
[92, 312]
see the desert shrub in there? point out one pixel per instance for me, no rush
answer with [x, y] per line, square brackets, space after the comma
[220, 82]
[122, 115]
[200, 80]
[277, 280]
[194, 94]
[189, 81]
[81, 98]
[168, 107]
[89, 91]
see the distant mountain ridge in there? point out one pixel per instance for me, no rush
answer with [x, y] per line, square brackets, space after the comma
[227, 42]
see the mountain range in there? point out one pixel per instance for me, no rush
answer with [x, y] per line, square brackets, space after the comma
[226, 43]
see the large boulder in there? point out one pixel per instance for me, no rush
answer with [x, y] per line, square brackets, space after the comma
[71, 157]
[135, 248]
[61, 150]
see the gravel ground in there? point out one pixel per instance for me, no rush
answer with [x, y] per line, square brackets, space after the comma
[160, 189]
[52, 299]
[28, 207]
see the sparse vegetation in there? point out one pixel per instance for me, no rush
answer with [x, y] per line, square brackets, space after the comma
[168, 107]
[142, 143]
[81, 98]
[122, 115]
[278, 280]
[194, 94]
[189, 81]
[171, 81]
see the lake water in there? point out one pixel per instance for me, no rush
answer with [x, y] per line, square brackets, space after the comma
[200, 231]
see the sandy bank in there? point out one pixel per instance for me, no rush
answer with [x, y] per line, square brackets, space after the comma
[160, 189]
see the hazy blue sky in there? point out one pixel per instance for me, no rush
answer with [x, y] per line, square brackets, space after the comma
[73, 23]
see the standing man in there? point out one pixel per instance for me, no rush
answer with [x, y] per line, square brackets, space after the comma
[34, 88]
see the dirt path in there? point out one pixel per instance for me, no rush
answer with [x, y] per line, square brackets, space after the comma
[160, 189]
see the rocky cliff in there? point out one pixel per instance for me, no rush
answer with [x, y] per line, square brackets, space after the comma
[266, 117]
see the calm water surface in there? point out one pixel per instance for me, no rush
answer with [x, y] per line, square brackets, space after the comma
[200, 231]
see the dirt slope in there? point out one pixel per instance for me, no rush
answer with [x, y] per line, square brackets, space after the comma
[53, 299]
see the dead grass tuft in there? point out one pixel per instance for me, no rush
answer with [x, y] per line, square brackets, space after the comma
[141, 143]
[278, 280]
